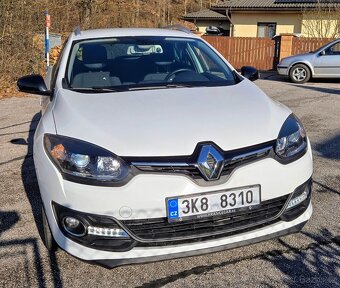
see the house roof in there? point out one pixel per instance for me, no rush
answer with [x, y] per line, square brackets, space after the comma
[205, 14]
[275, 4]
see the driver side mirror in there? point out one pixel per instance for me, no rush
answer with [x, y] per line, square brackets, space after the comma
[323, 53]
[33, 84]
[250, 73]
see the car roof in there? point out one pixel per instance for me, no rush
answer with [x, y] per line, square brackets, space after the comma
[123, 32]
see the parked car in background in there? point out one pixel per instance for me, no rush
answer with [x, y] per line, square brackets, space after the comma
[322, 63]
[151, 146]
[216, 31]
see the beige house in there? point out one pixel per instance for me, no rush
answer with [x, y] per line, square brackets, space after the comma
[208, 17]
[267, 18]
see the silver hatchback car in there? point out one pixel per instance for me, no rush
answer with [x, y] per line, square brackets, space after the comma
[322, 63]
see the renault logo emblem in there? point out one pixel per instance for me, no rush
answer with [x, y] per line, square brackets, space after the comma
[210, 163]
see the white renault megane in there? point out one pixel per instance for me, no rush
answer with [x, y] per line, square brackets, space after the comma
[151, 146]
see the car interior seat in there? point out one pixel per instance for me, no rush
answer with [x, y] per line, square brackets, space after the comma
[94, 69]
[162, 64]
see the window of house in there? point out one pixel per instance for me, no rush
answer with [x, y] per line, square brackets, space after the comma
[266, 30]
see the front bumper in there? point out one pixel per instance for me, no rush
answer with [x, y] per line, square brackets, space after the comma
[144, 197]
[119, 262]
[151, 254]
[160, 232]
[282, 70]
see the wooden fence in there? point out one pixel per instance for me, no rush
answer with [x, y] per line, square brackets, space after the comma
[242, 51]
[303, 45]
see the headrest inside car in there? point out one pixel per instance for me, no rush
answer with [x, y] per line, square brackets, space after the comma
[94, 56]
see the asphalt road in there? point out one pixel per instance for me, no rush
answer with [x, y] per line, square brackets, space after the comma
[310, 258]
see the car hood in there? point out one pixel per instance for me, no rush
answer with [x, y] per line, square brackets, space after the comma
[303, 56]
[165, 122]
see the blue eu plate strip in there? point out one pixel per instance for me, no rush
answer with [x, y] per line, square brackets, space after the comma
[173, 209]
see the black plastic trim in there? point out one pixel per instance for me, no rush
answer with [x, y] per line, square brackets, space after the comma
[327, 67]
[34, 84]
[250, 73]
[297, 211]
[203, 235]
[92, 241]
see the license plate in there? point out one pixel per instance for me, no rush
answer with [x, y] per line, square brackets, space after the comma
[213, 203]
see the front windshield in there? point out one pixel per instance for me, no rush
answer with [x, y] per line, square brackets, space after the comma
[145, 62]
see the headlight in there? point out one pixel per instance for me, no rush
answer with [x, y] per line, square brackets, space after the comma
[80, 161]
[292, 140]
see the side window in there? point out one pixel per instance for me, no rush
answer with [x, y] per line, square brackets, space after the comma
[334, 49]
[56, 66]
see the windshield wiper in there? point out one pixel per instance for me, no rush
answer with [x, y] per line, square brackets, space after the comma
[179, 85]
[97, 90]
[165, 86]
[112, 89]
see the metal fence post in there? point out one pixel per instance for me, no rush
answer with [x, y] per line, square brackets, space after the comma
[47, 38]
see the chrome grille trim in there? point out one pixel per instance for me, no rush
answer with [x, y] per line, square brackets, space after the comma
[160, 164]
[257, 153]
[189, 166]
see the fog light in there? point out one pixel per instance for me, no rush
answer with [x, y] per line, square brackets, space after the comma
[74, 226]
[297, 200]
[107, 232]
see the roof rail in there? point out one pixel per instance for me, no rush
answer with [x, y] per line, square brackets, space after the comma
[178, 28]
[77, 30]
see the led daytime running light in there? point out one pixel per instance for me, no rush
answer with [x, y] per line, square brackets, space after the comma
[107, 232]
[297, 200]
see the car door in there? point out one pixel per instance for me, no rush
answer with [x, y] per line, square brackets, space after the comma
[327, 62]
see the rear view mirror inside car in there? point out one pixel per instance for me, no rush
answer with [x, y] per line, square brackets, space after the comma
[144, 49]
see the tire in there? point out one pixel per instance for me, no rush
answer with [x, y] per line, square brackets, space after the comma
[299, 73]
[48, 239]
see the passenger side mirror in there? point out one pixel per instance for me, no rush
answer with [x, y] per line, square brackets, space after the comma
[323, 53]
[250, 73]
[33, 84]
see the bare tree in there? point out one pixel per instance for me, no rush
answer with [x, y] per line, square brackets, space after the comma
[22, 25]
[323, 21]
[86, 12]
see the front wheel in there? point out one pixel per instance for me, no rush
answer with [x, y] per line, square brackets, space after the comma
[300, 73]
[48, 240]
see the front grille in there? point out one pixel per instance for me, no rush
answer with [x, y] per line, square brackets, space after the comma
[230, 165]
[190, 171]
[159, 231]
[186, 165]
